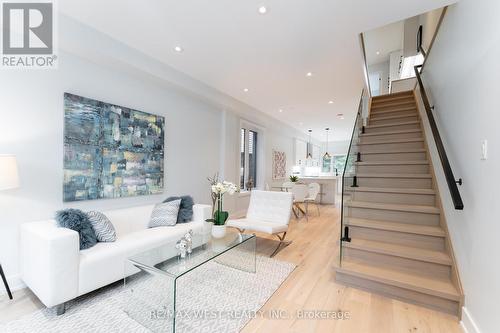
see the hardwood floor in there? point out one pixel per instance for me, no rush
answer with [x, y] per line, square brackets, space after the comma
[310, 287]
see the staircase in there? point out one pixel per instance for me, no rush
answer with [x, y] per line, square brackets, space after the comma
[399, 244]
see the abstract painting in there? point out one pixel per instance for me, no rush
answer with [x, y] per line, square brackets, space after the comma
[110, 151]
[279, 164]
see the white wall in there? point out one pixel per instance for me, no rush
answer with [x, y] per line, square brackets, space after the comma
[202, 128]
[462, 78]
[383, 69]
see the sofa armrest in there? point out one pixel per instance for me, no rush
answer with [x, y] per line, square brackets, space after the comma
[50, 261]
[201, 212]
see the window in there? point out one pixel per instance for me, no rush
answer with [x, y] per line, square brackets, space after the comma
[248, 159]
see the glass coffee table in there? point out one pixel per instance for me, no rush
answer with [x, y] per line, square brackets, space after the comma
[151, 288]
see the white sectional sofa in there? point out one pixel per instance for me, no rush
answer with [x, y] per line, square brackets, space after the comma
[55, 269]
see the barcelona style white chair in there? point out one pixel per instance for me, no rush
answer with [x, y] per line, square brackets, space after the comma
[269, 212]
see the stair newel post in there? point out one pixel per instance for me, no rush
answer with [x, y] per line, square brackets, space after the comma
[363, 130]
[346, 237]
[359, 157]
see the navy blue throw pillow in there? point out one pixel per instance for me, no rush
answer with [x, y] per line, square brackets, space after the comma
[185, 209]
[78, 221]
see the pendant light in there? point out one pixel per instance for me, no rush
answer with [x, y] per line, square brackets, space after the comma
[327, 155]
[309, 146]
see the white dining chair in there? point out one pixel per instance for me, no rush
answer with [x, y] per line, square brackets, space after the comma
[286, 186]
[300, 193]
[314, 189]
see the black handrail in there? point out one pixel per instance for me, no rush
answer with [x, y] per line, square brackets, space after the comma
[450, 178]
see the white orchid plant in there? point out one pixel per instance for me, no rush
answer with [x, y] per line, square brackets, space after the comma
[218, 190]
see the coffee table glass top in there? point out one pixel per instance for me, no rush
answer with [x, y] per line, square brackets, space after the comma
[205, 248]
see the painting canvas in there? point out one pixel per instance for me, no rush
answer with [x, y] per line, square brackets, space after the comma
[110, 151]
[279, 165]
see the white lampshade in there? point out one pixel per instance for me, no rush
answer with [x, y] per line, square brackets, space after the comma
[9, 177]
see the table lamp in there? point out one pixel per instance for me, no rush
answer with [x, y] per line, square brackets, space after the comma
[9, 179]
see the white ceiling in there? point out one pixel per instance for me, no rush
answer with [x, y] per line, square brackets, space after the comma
[383, 40]
[230, 46]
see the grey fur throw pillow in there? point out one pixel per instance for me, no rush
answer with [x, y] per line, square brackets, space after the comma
[78, 221]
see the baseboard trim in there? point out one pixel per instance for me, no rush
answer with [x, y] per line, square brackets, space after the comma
[15, 283]
[467, 323]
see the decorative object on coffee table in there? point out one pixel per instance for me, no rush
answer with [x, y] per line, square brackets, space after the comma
[220, 216]
[9, 179]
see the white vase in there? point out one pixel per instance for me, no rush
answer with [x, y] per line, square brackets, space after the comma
[219, 231]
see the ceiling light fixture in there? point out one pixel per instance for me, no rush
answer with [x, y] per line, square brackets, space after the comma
[280, 110]
[309, 74]
[245, 90]
[340, 115]
[178, 49]
[330, 102]
[378, 52]
[262, 10]
[309, 147]
[327, 155]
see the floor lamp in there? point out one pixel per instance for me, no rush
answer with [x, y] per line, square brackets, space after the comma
[9, 179]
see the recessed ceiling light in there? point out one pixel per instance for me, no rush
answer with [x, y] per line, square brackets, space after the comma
[330, 102]
[262, 10]
[378, 52]
[245, 90]
[309, 74]
[178, 49]
[280, 110]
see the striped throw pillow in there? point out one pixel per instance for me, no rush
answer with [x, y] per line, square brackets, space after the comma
[165, 214]
[103, 227]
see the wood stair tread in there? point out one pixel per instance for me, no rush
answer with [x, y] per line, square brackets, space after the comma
[406, 150]
[394, 124]
[418, 229]
[399, 94]
[394, 175]
[395, 207]
[434, 287]
[437, 257]
[402, 190]
[392, 117]
[391, 132]
[392, 104]
[419, 162]
[381, 142]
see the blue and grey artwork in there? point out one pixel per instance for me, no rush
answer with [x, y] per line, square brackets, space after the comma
[110, 151]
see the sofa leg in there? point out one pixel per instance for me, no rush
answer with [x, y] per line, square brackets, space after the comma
[60, 309]
[282, 241]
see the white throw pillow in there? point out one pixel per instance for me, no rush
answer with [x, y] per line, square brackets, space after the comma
[102, 226]
[165, 214]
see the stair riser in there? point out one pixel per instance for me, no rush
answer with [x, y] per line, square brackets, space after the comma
[406, 265]
[394, 216]
[400, 168]
[393, 106]
[408, 99]
[391, 146]
[395, 237]
[396, 198]
[372, 138]
[399, 119]
[393, 157]
[405, 295]
[392, 128]
[412, 111]
[395, 182]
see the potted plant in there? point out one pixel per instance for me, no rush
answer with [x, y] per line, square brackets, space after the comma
[220, 216]
[294, 179]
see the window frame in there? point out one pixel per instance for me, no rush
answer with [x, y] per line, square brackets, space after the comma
[248, 126]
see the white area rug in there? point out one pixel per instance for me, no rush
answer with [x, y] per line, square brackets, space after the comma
[213, 298]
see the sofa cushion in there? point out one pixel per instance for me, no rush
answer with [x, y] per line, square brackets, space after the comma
[78, 221]
[103, 228]
[185, 209]
[165, 214]
[105, 262]
[128, 220]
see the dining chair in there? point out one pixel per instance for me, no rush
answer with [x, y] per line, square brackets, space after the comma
[300, 193]
[314, 189]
